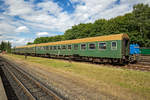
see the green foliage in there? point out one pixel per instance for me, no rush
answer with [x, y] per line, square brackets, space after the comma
[136, 24]
[30, 43]
[78, 31]
[5, 46]
[48, 39]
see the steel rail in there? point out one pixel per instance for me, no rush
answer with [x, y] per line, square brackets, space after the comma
[20, 84]
[35, 88]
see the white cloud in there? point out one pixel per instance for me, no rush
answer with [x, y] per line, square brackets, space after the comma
[18, 7]
[50, 6]
[19, 41]
[6, 28]
[40, 34]
[16, 41]
[22, 29]
[114, 11]
[132, 2]
[50, 17]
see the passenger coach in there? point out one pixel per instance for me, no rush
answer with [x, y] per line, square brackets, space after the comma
[110, 48]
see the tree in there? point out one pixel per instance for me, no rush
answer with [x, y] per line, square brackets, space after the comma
[141, 14]
[5, 46]
[136, 24]
[29, 43]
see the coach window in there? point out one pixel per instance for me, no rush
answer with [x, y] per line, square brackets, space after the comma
[42, 48]
[46, 47]
[114, 45]
[63, 47]
[69, 47]
[55, 48]
[75, 46]
[51, 47]
[59, 47]
[92, 46]
[102, 45]
[83, 46]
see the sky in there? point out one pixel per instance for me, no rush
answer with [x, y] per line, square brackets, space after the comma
[22, 21]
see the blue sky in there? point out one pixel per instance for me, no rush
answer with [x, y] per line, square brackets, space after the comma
[22, 21]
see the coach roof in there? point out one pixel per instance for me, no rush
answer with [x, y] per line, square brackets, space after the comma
[90, 39]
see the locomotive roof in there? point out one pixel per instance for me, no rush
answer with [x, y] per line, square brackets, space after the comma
[83, 40]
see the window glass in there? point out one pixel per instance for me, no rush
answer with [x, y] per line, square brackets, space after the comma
[92, 46]
[69, 47]
[102, 45]
[55, 48]
[58, 47]
[63, 47]
[51, 47]
[75, 46]
[83, 46]
[114, 45]
[46, 47]
[40, 48]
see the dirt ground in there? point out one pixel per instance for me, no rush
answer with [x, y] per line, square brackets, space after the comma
[71, 86]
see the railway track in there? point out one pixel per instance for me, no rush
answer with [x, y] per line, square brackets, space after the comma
[25, 86]
[145, 60]
[143, 64]
[138, 66]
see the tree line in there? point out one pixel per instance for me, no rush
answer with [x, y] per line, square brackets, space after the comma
[5, 46]
[136, 24]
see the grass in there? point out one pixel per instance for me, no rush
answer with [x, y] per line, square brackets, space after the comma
[118, 81]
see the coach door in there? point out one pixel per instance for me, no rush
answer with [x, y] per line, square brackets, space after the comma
[125, 47]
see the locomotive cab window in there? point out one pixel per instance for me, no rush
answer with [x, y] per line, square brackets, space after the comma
[83, 46]
[102, 45]
[69, 47]
[114, 45]
[92, 46]
[75, 46]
